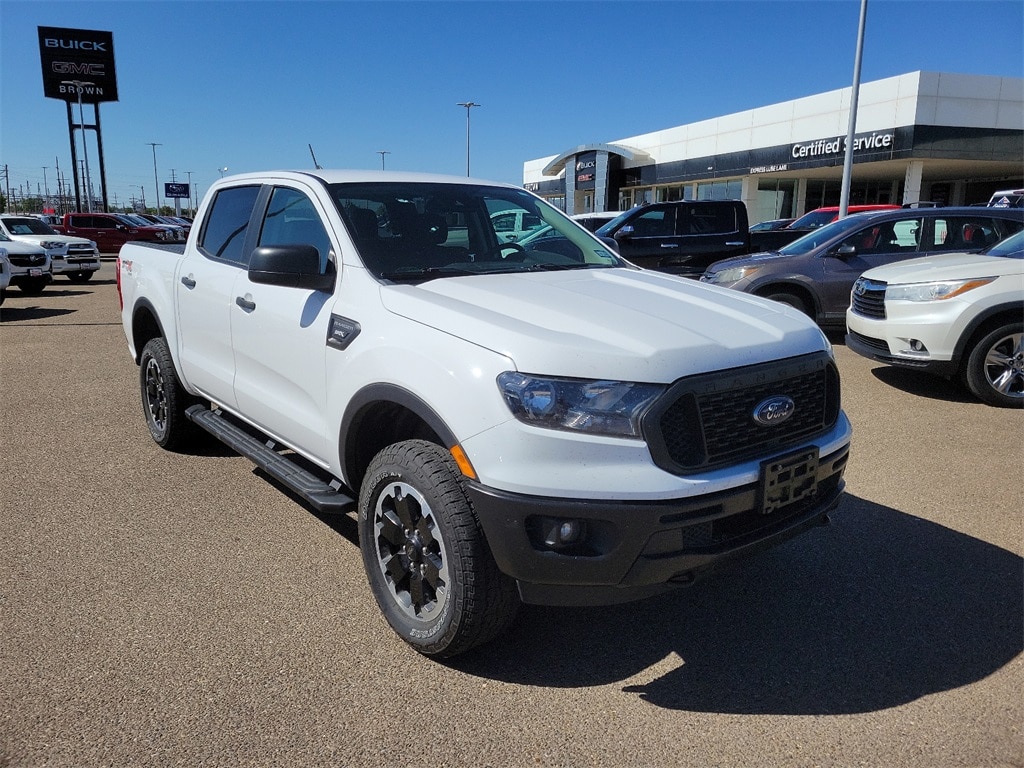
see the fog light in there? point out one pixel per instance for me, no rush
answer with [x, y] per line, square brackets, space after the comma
[562, 533]
[914, 347]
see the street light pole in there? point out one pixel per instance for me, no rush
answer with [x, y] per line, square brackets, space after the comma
[468, 105]
[156, 181]
[382, 152]
[844, 193]
[79, 85]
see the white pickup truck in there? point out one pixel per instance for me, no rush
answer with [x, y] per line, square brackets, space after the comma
[545, 424]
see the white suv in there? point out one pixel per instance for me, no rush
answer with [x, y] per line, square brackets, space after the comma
[5, 273]
[957, 314]
[75, 257]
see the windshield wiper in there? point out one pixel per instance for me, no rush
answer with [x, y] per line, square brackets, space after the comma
[427, 273]
[549, 267]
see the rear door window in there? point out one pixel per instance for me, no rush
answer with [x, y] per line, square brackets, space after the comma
[963, 233]
[227, 222]
[707, 220]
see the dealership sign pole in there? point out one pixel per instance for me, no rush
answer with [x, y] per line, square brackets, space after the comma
[78, 65]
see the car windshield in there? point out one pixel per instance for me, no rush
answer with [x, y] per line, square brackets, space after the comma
[1010, 248]
[605, 230]
[416, 231]
[136, 221]
[817, 237]
[813, 220]
[28, 226]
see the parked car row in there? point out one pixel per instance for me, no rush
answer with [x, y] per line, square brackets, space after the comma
[112, 230]
[936, 289]
[76, 258]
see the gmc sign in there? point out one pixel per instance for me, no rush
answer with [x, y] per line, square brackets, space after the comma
[82, 55]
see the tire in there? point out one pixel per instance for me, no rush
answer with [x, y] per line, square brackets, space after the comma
[80, 277]
[32, 286]
[164, 400]
[426, 559]
[789, 299]
[995, 367]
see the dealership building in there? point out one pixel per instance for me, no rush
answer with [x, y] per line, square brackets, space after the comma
[923, 136]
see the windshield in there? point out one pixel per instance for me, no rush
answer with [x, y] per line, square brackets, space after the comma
[28, 226]
[817, 237]
[814, 220]
[415, 231]
[136, 221]
[606, 230]
[1010, 248]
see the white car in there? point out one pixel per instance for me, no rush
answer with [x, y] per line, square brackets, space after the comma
[957, 315]
[513, 225]
[5, 273]
[30, 265]
[75, 257]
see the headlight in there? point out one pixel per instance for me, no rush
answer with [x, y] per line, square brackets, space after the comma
[729, 275]
[579, 405]
[50, 245]
[945, 289]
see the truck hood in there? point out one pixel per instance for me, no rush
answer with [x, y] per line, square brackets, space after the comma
[622, 324]
[66, 239]
[948, 266]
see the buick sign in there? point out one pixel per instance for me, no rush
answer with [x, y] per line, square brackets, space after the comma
[774, 410]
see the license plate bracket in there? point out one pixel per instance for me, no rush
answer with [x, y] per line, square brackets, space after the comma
[788, 479]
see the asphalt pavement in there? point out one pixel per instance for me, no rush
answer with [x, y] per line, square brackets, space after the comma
[162, 609]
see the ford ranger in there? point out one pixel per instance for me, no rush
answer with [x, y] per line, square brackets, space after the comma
[546, 424]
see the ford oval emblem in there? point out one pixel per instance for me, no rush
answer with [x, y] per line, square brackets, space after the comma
[774, 410]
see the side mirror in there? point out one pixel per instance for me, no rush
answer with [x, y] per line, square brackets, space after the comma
[611, 242]
[625, 232]
[290, 266]
[845, 250]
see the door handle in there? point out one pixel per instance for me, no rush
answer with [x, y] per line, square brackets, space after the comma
[188, 282]
[736, 243]
[246, 304]
[670, 245]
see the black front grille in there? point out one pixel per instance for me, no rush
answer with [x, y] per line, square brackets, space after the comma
[707, 421]
[869, 298]
[27, 260]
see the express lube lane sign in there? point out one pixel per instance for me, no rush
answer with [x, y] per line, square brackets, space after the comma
[78, 62]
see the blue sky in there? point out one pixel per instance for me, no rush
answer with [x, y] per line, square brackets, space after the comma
[249, 85]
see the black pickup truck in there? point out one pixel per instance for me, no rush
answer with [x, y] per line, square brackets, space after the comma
[683, 237]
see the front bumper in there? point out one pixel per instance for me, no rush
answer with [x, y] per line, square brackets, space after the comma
[932, 328]
[639, 548]
[72, 265]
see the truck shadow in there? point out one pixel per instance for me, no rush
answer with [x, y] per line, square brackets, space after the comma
[9, 314]
[876, 610]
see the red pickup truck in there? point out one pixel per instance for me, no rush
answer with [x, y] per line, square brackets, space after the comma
[112, 230]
